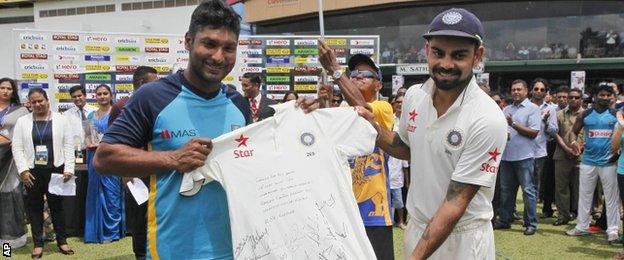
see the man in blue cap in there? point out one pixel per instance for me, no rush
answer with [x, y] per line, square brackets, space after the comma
[454, 135]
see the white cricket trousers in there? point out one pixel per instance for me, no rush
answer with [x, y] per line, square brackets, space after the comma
[473, 240]
[588, 175]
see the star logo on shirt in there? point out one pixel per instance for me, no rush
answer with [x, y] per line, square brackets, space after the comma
[242, 141]
[412, 115]
[494, 154]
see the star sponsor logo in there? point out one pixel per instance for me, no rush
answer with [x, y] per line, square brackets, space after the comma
[241, 152]
[278, 70]
[412, 115]
[306, 60]
[33, 37]
[126, 40]
[362, 42]
[33, 56]
[492, 168]
[336, 42]
[65, 37]
[278, 42]
[97, 38]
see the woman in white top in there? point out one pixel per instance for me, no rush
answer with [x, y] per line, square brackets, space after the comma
[43, 145]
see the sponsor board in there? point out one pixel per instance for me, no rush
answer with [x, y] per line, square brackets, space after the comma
[306, 42]
[362, 42]
[90, 87]
[278, 78]
[98, 77]
[249, 42]
[250, 60]
[126, 58]
[67, 76]
[309, 51]
[336, 41]
[66, 48]
[278, 42]
[126, 68]
[251, 69]
[274, 70]
[307, 70]
[97, 57]
[97, 38]
[66, 57]
[182, 59]
[340, 51]
[365, 51]
[123, 78]
[252, 52]
[34, 76]
[305, 87]
[33, 56]
[278, 87]
[127, 40]
[34, 67]
[341, 60]
[306, 60]
[182, 52]
[65, 106]
[278, 60]
[306, 78]
[124, 87]
[228, 78]
[62, 95]
[127, 49]
[34, 85]
[66, 37]
[98, 67]
[33, 37]
[162, 68]
[33, 46]
[156, 59]
[96, 48]
[157, 49]
[66, 68]
[63, 87]
[282, 51]
[156, 40]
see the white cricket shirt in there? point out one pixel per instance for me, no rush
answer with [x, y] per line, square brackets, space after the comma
[465, 145]
[288, 184]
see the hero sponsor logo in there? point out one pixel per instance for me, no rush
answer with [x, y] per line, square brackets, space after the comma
[123, 78]
[66, 48]
[126, 40]
[34, 67]
[94, 38]
[33, 56]
[278, 87]
[33, 37]
[66, 37]
[278, 42]
[361, 51]
[306, 42]
[66, 68]
[306, 78]
[251, 69]
[182, 59]
[156, 59]
[362, 42]
[599, 133]
[252, 52]
[65, 57]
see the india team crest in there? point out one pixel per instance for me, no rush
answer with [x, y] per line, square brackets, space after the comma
[454, 138]
[307, 139]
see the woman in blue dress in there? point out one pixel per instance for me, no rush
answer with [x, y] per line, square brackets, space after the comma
[104, 209]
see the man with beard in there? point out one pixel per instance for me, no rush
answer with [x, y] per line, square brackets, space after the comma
[597, 161]
[453, 135]
[517, 166]
[158, 114]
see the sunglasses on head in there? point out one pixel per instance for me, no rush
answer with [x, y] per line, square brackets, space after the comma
[364, 74]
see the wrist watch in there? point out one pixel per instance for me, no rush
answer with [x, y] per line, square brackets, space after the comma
[513, 123]
[337, 74]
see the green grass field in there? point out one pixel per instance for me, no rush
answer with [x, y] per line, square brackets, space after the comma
[550, 242]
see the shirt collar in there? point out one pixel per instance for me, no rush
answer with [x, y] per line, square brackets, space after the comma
[524, 103]
[464, 96]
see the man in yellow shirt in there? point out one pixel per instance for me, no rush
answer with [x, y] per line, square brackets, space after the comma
[371, 185]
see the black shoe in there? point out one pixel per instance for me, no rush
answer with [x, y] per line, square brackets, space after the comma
[572, 215]
[529, 231]
[560, 222]
[515, 216]
[499, 225]
[68, 252]
[547, 214]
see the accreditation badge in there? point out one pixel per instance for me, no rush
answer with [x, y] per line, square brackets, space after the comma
[41, 155]
[79, 157]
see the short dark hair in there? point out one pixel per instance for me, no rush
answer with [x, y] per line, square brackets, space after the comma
[520, 81]
[37, 90]
[577, 90]
[604, 86]
[214, 14]
[564, 89]
[253, 77]
[288, 93]
[540, 80]
[14, 96]
[76, 88]
[138, 77]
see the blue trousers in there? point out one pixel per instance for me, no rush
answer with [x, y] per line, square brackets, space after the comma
[512, 174]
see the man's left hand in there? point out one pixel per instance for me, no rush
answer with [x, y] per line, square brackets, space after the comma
[67, 176]
[307, 104]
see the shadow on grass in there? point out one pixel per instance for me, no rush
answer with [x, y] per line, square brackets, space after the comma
[594, 253]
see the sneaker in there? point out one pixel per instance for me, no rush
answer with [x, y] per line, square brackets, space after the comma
[576, 232]
[594, 229]
[614, 239]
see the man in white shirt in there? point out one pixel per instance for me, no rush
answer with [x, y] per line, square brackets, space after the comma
[398, 170]
[457, 134]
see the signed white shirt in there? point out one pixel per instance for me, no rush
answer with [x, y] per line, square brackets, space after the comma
[288, 184]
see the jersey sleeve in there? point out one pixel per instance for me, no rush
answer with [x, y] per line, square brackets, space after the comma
[210, 171]
[351, 134]
[402, 128]
[384, 114]
[479, 161]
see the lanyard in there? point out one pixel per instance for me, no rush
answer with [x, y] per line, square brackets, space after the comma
[39, 134]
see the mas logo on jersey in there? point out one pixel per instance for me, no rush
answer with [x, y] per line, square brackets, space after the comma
[491, 168]
[307, 139]
[240, 152]
[167, 134]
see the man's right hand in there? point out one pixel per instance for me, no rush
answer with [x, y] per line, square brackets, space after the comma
[27, 178]
[192, 155]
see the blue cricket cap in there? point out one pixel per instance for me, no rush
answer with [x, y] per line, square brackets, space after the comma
[456, 22]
